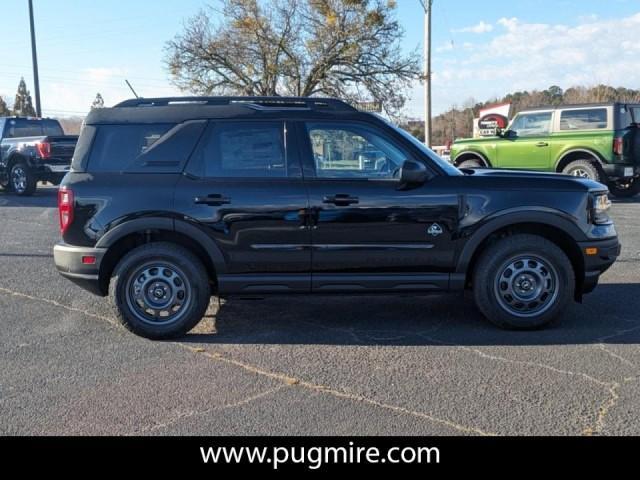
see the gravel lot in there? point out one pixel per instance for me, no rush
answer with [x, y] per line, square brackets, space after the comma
[312, 366]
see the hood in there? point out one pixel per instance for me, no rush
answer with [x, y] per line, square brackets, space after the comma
[528, 179]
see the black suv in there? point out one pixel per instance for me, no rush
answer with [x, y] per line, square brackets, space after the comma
[172, 200]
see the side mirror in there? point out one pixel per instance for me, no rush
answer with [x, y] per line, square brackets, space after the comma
[413, 174]
[509, 134]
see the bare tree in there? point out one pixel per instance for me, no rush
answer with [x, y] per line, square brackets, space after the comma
[458, 123]
[343, 48]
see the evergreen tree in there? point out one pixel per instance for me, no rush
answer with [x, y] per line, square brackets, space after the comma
[4, 109]
[23, 105]
[98, 102]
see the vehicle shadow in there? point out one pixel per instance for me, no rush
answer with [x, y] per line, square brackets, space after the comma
[615, 200]
[609, 315]
[44, 197]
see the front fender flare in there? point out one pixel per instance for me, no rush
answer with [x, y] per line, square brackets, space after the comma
[476, 153]
[549, 217]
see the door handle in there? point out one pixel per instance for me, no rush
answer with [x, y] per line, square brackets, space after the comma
[542, 144]
[340, 199]
[213, 199]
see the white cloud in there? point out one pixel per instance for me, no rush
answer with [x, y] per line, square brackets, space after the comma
[508, 23]
[527, 56]
[481, 27]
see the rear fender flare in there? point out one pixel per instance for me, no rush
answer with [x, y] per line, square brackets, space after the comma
[169, 224]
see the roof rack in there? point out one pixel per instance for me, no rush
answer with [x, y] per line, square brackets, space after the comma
[257, 103]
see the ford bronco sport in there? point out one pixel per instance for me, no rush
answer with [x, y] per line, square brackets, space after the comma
[596, 141]
[172, 200]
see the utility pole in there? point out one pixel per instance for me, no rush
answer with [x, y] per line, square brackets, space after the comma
[34, 59]
[426, 5]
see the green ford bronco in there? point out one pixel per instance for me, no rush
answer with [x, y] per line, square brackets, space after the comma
[597, 141]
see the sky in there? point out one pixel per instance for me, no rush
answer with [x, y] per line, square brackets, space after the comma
[481, 49]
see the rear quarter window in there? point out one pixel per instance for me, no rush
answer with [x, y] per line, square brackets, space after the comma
[583, 119]
[115, 147]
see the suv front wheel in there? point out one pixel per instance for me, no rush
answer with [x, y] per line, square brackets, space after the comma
[471, 163]
[161, 290]
[523, 281]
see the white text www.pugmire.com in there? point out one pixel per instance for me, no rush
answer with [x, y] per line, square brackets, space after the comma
[315, 457]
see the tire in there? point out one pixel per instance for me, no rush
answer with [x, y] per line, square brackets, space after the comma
[629, 190]
[21, 181]
[471, 163]
[539, 292]
[143, 280]
[583, 169]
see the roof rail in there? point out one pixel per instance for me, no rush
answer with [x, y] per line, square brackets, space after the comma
[259, 103]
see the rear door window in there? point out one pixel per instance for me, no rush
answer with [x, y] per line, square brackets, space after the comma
[242, 150]
[583, 119]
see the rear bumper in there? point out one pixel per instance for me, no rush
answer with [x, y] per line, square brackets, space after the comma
[617, 170]
[69, 262]
[595, 265]
[53, 172]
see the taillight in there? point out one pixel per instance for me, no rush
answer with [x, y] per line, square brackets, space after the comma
[618, 147]
[44, 149]
[65, 208]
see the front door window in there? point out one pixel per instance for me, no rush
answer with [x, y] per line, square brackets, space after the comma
[532, 124]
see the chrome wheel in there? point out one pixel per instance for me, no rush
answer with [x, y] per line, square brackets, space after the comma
[158, 293]
[580, 172]
[526, 286]
[19, 179]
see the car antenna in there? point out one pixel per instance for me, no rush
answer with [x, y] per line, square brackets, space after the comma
[134, 92]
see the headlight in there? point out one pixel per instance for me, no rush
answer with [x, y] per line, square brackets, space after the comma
[600, 208]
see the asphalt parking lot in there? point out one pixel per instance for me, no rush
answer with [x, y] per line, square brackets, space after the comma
[312, 366]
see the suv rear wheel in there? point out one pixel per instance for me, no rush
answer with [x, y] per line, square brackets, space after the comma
[523, 282]
[625, 189]
[161, 290]
[583, 169]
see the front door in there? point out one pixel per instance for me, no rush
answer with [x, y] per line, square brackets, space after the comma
[527, 144]
[243, 187]
[367, 233]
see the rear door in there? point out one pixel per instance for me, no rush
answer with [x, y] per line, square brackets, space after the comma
[243, 186]
[368, 234]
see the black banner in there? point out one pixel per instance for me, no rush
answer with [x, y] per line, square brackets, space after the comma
[305, 454]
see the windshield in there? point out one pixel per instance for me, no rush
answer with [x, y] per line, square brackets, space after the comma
[441, 162]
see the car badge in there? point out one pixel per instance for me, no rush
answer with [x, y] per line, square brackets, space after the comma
[434, 230]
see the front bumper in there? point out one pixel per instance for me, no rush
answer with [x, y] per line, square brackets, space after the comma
[69, 262]
[596, 264]
[617, 171]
